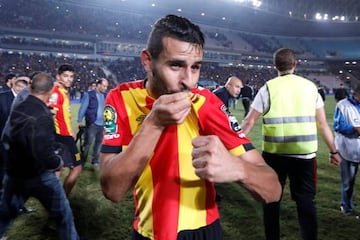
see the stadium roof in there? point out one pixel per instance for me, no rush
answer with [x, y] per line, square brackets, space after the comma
[335, 18]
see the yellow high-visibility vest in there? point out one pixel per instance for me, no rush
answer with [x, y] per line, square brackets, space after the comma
[289, 127]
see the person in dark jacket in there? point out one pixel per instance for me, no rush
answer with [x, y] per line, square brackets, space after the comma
[246, 95]
[6, 99]
[9, 80]
[92, 106]
[33, 158]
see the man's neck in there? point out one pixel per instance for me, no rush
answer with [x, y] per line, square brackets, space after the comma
[285, 73]
[61, 86]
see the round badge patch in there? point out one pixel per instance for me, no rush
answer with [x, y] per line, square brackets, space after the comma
[109, 119]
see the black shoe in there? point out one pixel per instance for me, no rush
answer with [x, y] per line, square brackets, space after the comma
[25, 210]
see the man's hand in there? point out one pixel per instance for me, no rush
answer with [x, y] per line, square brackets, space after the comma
[357, 129]
[212, 161]
[170, 109]
[335, 159]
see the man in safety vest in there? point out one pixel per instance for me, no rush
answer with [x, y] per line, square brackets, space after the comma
[292, 109]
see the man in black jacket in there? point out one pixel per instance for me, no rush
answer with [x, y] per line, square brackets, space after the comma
[230, 91]
[246, 95]
[6, 99]
[33, 158]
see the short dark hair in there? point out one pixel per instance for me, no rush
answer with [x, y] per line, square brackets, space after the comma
[100, 81]
[42, 83]
[21, 80]
[176, 27]
[9, 76]
[284, 59]
[65, 67]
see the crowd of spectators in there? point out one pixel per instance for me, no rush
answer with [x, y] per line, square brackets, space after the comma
[119, 70]
[124, 69]
[23, 64]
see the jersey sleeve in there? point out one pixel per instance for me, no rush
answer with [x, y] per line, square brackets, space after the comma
[55, 101]
[114, 123]
[215, 119]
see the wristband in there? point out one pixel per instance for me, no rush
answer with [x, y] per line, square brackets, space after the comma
[333, 153]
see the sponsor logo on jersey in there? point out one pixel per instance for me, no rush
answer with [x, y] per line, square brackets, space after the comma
[233, 122]
[111, 136]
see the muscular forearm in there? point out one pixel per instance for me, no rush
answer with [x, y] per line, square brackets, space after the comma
[327, 136]
[249, 121]
[262, 183]
[120, 172]
[260, 180]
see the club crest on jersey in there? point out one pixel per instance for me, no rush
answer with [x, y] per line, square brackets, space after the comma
[233, 122]
[53, 99]
[109, 116]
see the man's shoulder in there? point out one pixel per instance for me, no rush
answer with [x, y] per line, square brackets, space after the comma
[137, 85]
[220, 92]
[6, 94]
[31, 104]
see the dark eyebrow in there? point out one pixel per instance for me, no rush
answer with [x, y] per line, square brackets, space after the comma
[176, 61]
[181, 62]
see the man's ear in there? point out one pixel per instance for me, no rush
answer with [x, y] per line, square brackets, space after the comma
[295, 64]
[146, 60]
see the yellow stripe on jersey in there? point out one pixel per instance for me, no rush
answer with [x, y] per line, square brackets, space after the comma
[135, 109]
[192, 212]
[146, 214]
[238, 150]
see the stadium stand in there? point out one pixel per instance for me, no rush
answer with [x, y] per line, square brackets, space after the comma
[100, 42]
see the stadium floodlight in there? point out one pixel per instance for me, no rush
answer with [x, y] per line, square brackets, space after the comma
[326, 17]
[179, 10]
[256, 3]
[318, 16]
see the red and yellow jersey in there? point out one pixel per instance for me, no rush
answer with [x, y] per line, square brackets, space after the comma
[169, 196]
[60, 103]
